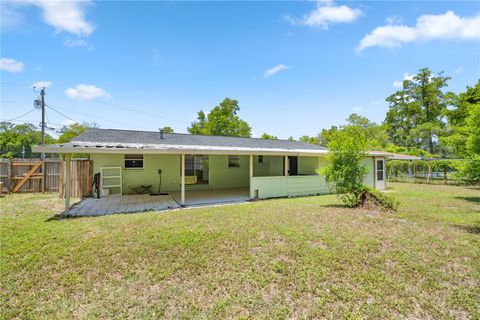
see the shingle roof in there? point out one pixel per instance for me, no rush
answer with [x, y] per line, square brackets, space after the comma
[114, 136]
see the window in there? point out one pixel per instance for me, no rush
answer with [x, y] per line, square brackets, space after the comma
[134, 161]
[380, 170]
[234, 161]
[260, 159]
[196, 168]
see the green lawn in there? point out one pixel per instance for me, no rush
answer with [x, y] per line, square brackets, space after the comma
[288, 258]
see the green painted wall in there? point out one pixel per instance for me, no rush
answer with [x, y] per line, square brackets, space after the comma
[170, 165]
[308, 165]
[368, 163]
[220, 175]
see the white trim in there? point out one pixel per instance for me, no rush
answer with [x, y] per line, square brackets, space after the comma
[132, 148]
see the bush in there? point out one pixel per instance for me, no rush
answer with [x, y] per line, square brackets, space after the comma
[383, 199]
[345, 172]
[469, 171]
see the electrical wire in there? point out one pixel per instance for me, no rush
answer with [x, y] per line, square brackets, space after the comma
[62, 114]
[20, 116]
[108, 104]
[96, 117]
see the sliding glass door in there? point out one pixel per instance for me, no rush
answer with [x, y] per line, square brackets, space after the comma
[196, 169]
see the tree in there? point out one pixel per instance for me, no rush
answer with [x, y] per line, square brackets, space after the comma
[326, 135]
[72, 130]
[415, 117]
[269, 137]
[308, 139]
[375, 135]
[345, 172]
[168, 129]
[14, 139]
[222, 120]
[463, 123]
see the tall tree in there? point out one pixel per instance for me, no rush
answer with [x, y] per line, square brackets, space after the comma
[15, 139]
[416, 114]
[222, 120]
[375, 135]
[463, 125]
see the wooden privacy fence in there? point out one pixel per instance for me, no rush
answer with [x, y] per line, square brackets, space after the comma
[36, 175]
[81, 172]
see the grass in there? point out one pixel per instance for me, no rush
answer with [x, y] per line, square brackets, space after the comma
[288, 258]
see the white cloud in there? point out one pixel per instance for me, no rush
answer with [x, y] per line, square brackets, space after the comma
[428, 27]
[270, 72]
[64, 16]
[86, 92]
[406, 76]
[9, 17]
[11, 65]
[326, 13]
[459, 70]
[42, 84]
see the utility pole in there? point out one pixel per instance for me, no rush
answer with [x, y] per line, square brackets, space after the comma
[42, 95]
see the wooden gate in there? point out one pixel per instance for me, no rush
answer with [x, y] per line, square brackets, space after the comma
[35, 175]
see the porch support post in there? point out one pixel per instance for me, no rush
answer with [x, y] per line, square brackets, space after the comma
[68, 165]
[182, 169]
[286, 166]
[250, 174]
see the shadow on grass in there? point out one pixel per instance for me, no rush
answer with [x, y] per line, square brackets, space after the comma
[335, 206]
[471, 199]
[475, 229]
[57, 217]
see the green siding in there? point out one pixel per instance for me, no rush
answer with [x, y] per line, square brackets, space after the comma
[170, 165]
[276, 166]
[221, 176]
[308, 165]
[291, 186]
[368, 163]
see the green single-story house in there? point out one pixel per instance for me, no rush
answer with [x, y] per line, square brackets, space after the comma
[129, 161]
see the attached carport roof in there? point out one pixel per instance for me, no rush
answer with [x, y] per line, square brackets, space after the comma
[147, 142]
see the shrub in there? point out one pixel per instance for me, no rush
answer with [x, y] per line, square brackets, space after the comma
[345, 172]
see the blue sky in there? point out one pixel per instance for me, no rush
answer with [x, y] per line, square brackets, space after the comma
[295, 67]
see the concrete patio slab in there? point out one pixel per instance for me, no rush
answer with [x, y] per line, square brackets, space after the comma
[122, 204]
[213, 196]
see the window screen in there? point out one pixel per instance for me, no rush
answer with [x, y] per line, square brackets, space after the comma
[233, 161]
[380, 170]
[134, 161]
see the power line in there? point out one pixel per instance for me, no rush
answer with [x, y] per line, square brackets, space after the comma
[20, 116]
[62, 114]
[34, 122]
[10, 101]
[108, 104]
[96, 117]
